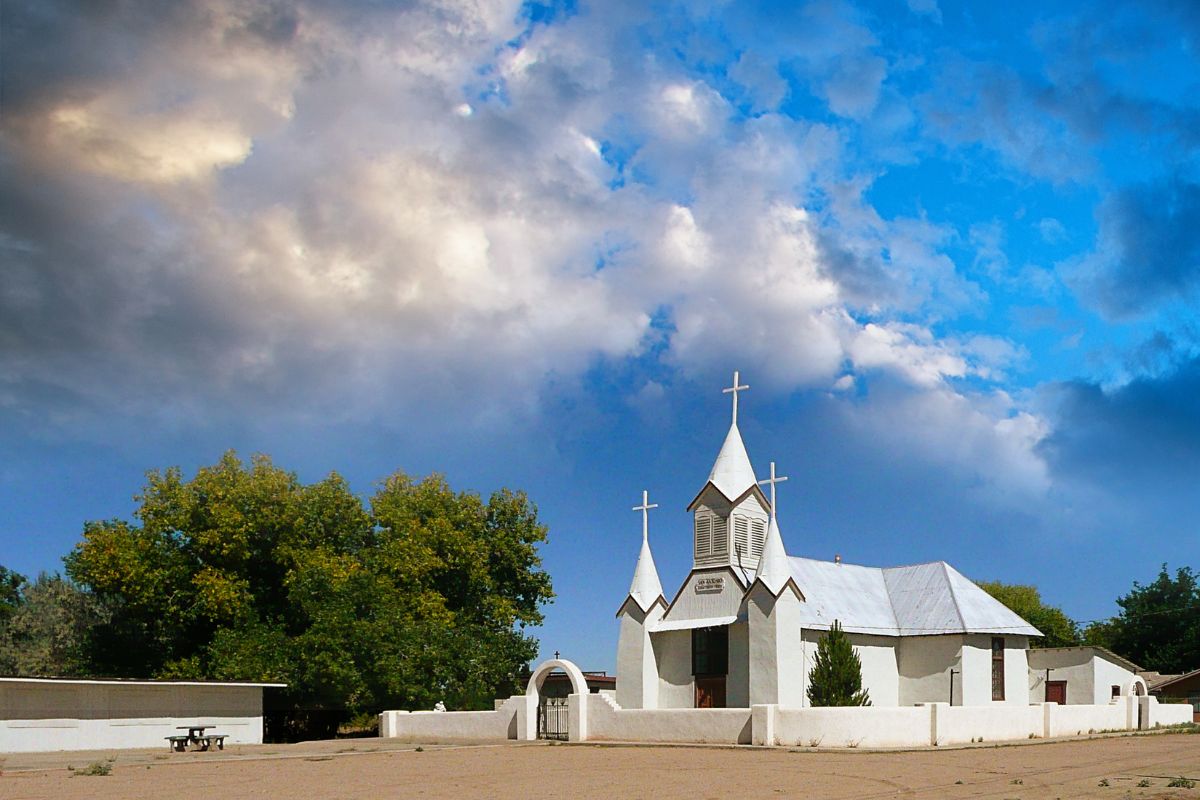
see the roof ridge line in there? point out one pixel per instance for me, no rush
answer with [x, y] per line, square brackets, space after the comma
[962, 623]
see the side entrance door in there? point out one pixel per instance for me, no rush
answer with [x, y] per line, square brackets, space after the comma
[710, 691]
[1056, 692]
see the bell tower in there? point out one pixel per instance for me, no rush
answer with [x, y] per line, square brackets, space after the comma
[730, 513]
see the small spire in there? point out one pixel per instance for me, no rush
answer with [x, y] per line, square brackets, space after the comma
[773, 567]
[646, 588]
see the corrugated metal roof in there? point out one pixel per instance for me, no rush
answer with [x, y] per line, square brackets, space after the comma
[917, 600]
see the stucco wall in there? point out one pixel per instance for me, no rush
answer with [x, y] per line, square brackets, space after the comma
[924, 664]
[1108, 675]
[852, 727]
[1071, 666]
[636, 665]
[880, 672]
[989, 723]
[1167, 713]
[708, 725]
[1089, 676]
[1075, 720]
[451, 725]
[737, 685]
[57, 715]
[673, 651]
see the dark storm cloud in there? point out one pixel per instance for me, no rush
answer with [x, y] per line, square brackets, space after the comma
[1148, 250]
[1144, 435]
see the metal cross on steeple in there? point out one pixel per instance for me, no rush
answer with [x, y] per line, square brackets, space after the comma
[645, 509]
[735, 389]
[772, 481]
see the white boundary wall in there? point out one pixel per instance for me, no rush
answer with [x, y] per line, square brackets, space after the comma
[598, 717]
[999, 722]
[608, 722]
[850, 727]
[450, 725]
[38, 715]
[911, 726]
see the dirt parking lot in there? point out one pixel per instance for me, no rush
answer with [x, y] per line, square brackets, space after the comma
[372, 768]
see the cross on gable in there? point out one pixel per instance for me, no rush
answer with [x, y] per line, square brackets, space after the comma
[772, 481]
[734, 390]
[645, 509]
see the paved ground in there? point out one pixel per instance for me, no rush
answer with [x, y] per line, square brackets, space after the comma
[374, 768]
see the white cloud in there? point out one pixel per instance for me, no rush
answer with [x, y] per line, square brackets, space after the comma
[422, 199]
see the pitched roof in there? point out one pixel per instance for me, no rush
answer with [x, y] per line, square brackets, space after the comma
[1093, 649]
[917, 600]
[732, 473]
[1171, 680]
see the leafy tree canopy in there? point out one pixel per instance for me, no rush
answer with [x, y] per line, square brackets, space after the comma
[243, 572]
[49, 632]
[1158, 626]
[10, 593]
[836, 675]
[1026, 602]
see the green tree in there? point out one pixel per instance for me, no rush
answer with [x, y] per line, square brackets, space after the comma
[1057, 628]
[50, 632]
[243, 572]
[836, 675]
[11, 584]
[1158, 626]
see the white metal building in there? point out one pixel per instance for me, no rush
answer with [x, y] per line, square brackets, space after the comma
[42, 714]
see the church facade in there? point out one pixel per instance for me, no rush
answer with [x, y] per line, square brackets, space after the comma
[743, 628]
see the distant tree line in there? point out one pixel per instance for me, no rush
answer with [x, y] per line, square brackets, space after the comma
[417, 595]
[1157, 627]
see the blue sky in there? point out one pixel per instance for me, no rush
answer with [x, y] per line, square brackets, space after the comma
[953, 248]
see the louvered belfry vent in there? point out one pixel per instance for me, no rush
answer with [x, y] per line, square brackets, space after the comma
[757, 538]
[741, 537]
[704, 536]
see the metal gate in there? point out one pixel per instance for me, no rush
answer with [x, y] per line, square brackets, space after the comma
[552, 718]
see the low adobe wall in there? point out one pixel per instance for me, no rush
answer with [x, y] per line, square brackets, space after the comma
[609, 722]
[994, 723]
[429, 726]
[850, 727]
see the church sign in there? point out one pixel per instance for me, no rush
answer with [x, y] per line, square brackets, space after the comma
[711, 585]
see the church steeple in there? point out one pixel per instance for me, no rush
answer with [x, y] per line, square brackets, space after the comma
[730, 510]
[646, 588]
[773, 569]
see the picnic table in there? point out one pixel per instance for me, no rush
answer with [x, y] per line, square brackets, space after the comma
[195, 735]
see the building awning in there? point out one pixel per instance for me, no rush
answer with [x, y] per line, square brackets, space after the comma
[688, 624]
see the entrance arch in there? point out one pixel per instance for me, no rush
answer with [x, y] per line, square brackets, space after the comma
[578, 682]
[577, 702]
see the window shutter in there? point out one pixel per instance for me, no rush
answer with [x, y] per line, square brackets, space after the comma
[703, 535]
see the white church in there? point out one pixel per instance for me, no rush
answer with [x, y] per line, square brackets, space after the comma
[727, 659]
[743, 628]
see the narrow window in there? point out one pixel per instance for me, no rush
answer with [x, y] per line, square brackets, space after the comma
[997, 668]
[1116, 690]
